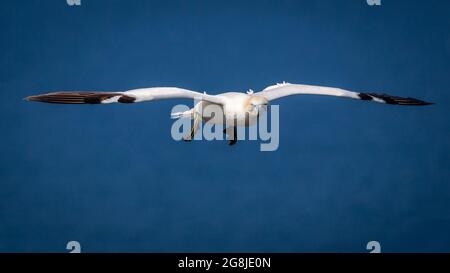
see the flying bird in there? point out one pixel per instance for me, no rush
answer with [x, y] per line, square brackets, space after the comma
[238, 108]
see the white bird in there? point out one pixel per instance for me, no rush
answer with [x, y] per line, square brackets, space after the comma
[239, 109]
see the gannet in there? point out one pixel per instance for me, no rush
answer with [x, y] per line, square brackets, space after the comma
[238, 108]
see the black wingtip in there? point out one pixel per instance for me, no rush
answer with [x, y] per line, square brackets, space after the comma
[427, 103]
[394, 99]
[73, 97]
[31, 98]
[37, 98]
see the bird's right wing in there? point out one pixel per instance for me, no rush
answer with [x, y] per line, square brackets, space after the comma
[286, 89]
[130, 96]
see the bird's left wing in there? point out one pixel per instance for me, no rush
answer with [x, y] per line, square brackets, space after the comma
[130, 96]
[286, 89]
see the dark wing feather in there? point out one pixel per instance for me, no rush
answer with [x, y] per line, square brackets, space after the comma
[393, 99]
[74, 97]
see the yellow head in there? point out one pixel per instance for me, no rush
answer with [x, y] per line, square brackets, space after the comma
[257, 104]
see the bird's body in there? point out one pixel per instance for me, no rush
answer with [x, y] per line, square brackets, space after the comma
[236, 107]
[230, 109]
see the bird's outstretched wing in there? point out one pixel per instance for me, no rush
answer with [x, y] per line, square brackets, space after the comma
[286, 89]
[130, 96]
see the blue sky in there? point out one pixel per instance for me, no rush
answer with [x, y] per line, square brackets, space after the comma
[111, 177]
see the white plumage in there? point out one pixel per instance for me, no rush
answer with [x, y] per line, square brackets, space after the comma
[238, 108]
